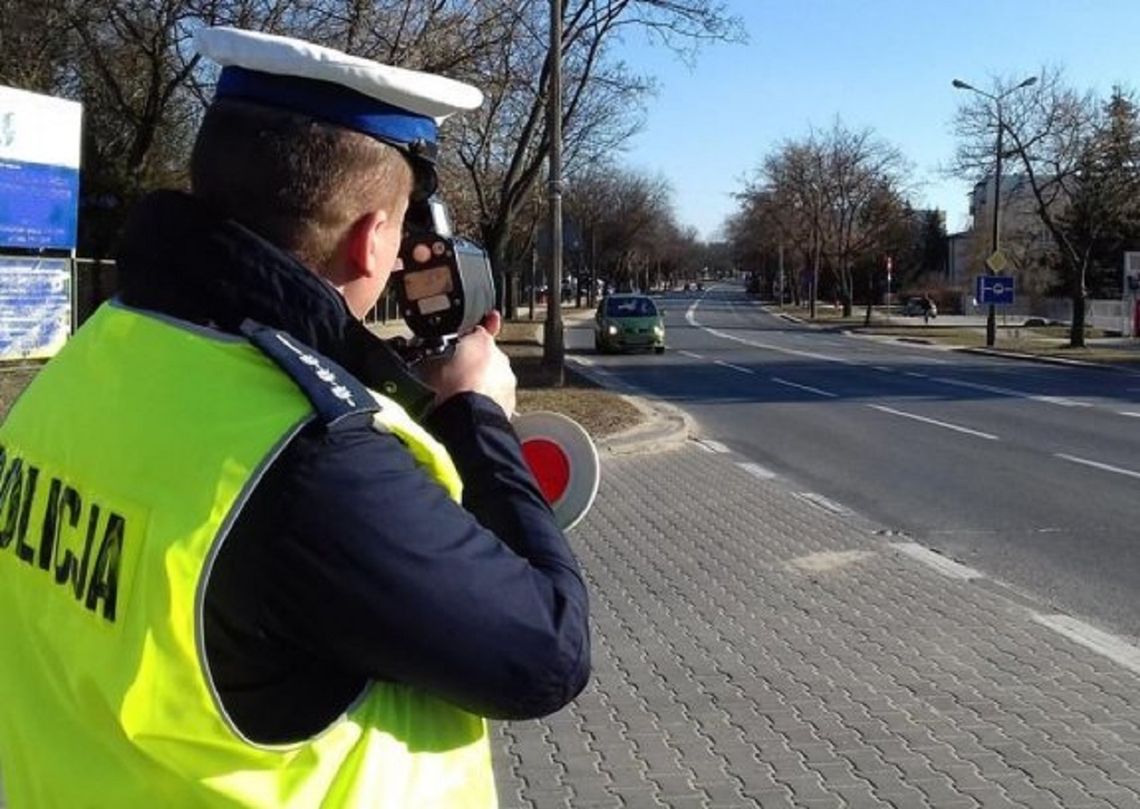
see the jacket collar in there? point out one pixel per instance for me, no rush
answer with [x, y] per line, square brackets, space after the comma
[178, 258]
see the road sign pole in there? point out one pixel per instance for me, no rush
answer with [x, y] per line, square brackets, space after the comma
[991, 321]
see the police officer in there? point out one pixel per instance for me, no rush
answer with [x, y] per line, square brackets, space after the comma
[246, 558]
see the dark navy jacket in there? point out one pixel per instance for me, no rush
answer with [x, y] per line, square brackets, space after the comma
[348, 563]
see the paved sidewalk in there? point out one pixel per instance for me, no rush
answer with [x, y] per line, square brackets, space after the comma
[755, 647]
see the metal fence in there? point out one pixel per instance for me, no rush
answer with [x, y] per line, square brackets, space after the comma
[93, 282]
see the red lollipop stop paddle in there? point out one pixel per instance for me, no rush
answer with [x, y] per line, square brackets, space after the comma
[564, 463]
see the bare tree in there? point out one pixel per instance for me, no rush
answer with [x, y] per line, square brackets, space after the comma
[1082, 183]
[131, 62]
[764, 233]
[34, 46]
[797, 175]
[836, 195]
[503, 148]
[863, 198]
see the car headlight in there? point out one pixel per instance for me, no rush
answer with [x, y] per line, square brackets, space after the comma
[612, 330]
[659, 331]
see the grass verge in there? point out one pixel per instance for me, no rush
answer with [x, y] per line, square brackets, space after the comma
[599, 411]
[1050, 342]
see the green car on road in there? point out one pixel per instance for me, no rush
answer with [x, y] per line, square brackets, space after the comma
[626, 321]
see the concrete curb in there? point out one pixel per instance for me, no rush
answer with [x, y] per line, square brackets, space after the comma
[665, 428]
[920, 342]
[991, 352]
[1017, 355]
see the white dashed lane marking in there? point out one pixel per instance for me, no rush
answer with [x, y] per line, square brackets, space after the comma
[807, 388]
[1097, 465]
[740, 368]
[944, 424]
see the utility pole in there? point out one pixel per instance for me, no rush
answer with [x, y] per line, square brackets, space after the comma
[553, 348]
[991, 315]
[958, 84]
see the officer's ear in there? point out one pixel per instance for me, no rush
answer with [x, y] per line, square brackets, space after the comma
[365, 247]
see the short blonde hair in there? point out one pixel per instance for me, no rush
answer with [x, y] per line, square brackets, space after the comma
[297, 182]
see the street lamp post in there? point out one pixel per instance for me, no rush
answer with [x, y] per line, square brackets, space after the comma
[958, 84]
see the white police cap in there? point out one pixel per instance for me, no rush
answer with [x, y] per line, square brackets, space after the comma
[397, 106]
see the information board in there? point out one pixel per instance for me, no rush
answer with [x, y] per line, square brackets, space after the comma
[35, 307]
[39, 170]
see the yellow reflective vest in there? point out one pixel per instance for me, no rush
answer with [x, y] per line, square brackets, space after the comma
[122, 468]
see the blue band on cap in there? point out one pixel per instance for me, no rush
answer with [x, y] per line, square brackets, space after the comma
[332, 103]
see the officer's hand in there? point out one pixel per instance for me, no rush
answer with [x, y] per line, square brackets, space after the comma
[476, 366]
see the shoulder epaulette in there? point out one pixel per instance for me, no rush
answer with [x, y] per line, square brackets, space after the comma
[333, 391]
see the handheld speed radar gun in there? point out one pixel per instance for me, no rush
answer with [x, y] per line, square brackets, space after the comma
[444, 290]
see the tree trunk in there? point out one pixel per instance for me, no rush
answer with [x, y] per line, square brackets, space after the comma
[1077, 329]
[495, 243]
[870, 298]
[814, 279]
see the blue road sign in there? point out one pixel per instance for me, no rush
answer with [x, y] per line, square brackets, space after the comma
[996, 289]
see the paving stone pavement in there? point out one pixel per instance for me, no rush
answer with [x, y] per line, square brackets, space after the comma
[752, 649]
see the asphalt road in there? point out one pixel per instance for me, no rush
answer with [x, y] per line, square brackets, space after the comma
[1027, 472]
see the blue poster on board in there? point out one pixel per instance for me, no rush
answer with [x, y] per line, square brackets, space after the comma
[38, 205]
[35, 307]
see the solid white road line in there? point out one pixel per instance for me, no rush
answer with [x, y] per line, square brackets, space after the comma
[935, 422]
[691, 355]
[916, 375]
[1103, 643]
[808, 388]
[690, 318]
[884, 369]
[941, 564]
[1097, 465]
[1133, 413]
[735, 367]
[584, 361]
[1062, 401]
[1019, 394]
[689, 313]
[756, 470]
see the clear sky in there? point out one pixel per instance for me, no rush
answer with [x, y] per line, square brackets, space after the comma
[886, 64]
